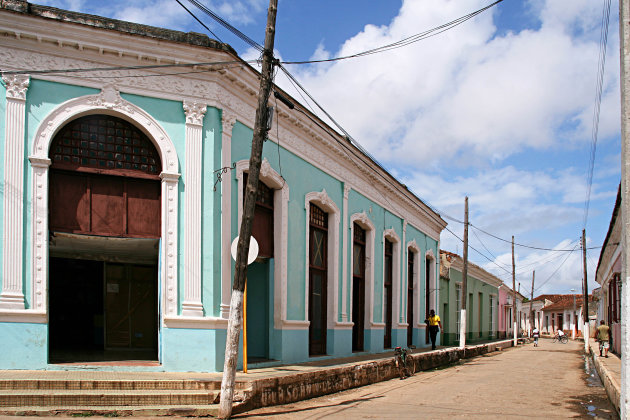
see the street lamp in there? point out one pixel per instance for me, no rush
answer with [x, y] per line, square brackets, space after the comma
[574, 317]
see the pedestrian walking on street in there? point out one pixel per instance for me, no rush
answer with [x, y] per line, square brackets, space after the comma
[603, 336]
[435, 325]
[536, 335]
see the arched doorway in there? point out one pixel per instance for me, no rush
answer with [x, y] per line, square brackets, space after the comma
[104, 223]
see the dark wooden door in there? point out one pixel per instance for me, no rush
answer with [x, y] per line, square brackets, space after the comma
[318, 290]
[358, 288]
[387, 342]
[410, 271]
[131, 306]
[427, 295]
[262, 228]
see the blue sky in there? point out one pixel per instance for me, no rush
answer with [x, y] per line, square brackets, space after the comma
[499, 109]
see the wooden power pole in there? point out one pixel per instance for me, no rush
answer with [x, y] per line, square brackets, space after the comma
[532, 321]
[236, 303]
[462, 319]
[586, 332]
[514, 324]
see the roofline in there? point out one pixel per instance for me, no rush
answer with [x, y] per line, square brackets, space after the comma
[201, 40]
[611, 226]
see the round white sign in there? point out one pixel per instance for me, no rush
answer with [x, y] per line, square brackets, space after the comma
[253, 250]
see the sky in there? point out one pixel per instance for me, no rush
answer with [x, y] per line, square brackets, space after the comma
[499, 109]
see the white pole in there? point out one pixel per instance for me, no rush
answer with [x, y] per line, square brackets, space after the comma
[462, 329]
[624, 35]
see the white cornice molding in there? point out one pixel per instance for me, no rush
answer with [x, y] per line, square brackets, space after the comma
[232, 88]
[191, 322]
[24, 316]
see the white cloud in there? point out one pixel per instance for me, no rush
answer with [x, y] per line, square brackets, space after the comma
[467, 91]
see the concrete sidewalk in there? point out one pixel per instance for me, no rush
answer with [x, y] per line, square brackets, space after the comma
[609, 370]
[260, 387]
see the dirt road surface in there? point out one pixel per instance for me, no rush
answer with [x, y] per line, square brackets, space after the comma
[551, 381]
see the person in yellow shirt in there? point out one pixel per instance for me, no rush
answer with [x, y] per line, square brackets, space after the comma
[435, 325]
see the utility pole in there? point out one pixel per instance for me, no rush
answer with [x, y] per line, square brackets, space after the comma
[532, 323]
[462, 319]
[624, 37]
[586, 332]
[514, 294]
[236, 303]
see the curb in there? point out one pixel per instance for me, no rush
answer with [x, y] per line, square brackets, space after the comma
[613, 388]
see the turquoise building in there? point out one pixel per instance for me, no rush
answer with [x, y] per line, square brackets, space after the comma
[122, 191]
[482, 306]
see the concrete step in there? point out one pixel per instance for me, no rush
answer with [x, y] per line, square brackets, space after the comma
[100, 397]
[120, 411]
[115, 384]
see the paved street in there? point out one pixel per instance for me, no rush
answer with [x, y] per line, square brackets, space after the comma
[549, 381]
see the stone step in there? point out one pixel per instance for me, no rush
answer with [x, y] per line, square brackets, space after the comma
[120, 411]
[115, 384]
[93, 398]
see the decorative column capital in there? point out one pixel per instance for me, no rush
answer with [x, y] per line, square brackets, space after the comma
[346, 191]
[195, 112]
[16, 85]
[228, 120]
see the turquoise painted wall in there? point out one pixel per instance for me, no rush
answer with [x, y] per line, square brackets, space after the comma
[193, 350]
[23, 345]
[478, 302]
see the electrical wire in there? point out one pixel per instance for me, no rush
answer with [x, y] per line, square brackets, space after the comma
[526, 246]
[200, 22]
[596, 110]
[406, 41]
[228, 26]
[556, 270]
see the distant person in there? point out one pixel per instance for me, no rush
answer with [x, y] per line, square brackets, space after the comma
[536, 335]
[560, 333]
[603, 336]
[435, 325]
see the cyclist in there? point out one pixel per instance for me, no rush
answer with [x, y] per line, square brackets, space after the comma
[603, 336]
[560, 334]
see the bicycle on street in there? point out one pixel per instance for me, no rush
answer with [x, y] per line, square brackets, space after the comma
[404, 361]
[562, 339]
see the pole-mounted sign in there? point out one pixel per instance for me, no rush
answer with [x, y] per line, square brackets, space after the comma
[251, 257]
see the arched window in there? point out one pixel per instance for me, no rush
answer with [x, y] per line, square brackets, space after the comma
[104, 179]
[105, 144]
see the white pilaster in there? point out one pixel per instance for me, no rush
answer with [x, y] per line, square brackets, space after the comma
[228, 121]
[404, 278]
[192, 306]
[12, 296]
[169, 232]
[344, 278]
[40, 233]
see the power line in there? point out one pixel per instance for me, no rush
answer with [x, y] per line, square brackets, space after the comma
[200, 22]
[228, 26]
[527, 246]
[406, 41]
[596, 110]
[556, 270]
